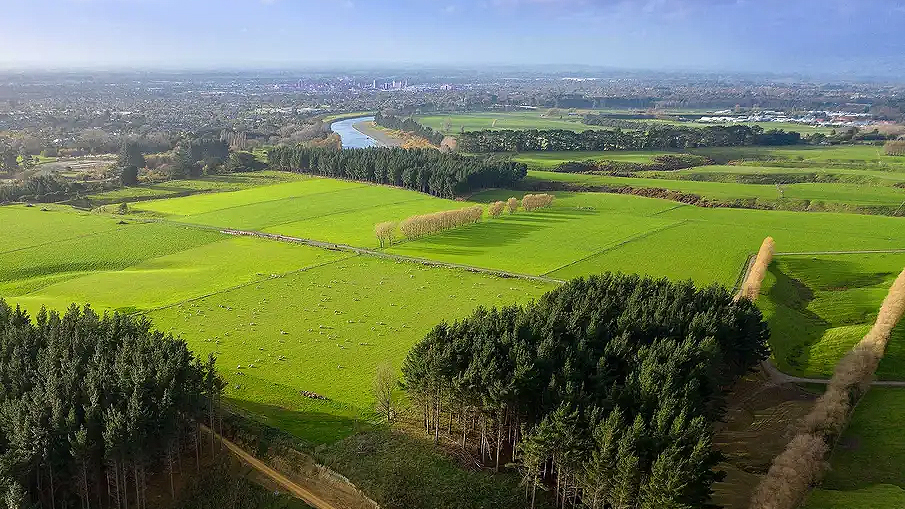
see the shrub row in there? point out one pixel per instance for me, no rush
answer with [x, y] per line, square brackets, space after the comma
[426, 224]
[536, 201]
[664, 162]
[751, 287]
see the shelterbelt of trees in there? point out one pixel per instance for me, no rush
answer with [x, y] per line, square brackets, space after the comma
[656, 137]
[664, 162]
[605, 389]
[90, 405]
[408, 125]
[425, 170]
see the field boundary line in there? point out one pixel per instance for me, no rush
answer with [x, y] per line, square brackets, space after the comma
[868, 251]
[243, 285]
[379, 254]
[620, 243]
[294, 488]
[670, 209]
[57, 241]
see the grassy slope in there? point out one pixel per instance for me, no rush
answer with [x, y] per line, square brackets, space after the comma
[820, 306]
[866, 466]
[22, 227]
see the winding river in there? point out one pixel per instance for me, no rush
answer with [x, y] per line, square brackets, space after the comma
[351, 137]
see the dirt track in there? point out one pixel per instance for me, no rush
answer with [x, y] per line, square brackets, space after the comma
[293, 488]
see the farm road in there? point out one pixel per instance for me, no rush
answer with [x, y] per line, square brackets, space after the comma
[778, 378]
[296, 490]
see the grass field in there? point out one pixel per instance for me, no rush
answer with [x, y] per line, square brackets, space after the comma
[819, 306]
[550, 159]
[325, 330]
[211, 184]
[826, 193]
[533, 119]
[866, 465]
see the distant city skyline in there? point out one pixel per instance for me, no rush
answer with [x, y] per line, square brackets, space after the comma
[842, 37]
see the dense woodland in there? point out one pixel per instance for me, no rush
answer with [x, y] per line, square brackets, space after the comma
[664, 162]
[656, 137]
[408, 125]
[605, 389]
[424, 170]
[90, 406]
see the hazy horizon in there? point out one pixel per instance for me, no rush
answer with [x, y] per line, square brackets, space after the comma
[840, 37]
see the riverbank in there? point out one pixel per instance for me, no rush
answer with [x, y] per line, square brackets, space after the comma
[382, 138]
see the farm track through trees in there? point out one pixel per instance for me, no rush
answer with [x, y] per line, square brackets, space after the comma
[293, 488]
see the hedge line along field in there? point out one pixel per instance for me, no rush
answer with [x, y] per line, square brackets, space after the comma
[325, 330]
[820, 306]
[872, 438]
[209, 184]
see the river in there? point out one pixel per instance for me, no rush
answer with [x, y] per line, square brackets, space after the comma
[351, 137]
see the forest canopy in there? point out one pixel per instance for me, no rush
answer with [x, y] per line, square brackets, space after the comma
[425, 170]
[654, 137]
[91, 405]
[606, 388]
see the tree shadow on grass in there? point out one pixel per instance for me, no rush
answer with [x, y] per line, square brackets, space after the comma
[327, 425]
[497, 232]
[794, 327]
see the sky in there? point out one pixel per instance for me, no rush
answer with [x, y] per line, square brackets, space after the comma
[863, 37]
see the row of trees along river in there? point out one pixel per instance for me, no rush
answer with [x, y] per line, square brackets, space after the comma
[424, 170]
[90, 406]
[605, 389]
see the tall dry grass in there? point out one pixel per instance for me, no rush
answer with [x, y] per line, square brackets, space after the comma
[536, 201]
[385, 233]
[512, 205]
[751, 287]
[496, 208]
[802, 462]
[426, 224]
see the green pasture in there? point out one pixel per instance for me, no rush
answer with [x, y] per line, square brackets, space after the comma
[794, 196]
[27, 270]
[325, 330]
[172, 278]
[516, 120]
[819, 306]
[866, 465]
[22, 227]
[551, 159]
[867, 174]
[209, 184]
[585, 233]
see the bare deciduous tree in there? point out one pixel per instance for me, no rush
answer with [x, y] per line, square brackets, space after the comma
[385, 382]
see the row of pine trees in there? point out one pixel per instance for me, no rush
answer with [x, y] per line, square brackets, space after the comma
[425, 170]
[91, 406]
[604, 390]
[654, 137]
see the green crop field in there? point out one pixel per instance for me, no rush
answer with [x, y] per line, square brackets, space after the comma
[533, 119]
[819, 306]
[866, 465]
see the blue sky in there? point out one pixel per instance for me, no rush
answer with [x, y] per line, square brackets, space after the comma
[843, 36]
